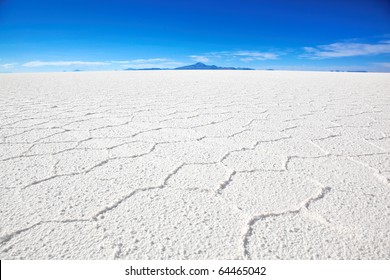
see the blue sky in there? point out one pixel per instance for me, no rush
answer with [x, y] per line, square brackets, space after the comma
[58, 35]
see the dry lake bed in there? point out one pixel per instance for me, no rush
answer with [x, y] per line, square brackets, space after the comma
[195, 165]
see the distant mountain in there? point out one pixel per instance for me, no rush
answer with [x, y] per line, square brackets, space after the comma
[153, 68]
[202, 66]
[196, 66]
[352, 71]
[139, 69]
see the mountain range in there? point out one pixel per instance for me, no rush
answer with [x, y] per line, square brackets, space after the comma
[196, 66]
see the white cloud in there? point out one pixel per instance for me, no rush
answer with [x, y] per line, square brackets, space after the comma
[243, 55]
[151, 60]
[148, 63]
[148, 60]
[7, 65]
[135, 63]
[200, 58]
[120, 61]
[345, 49]
[140, 65]
[383, 64]
[38, 63]
[252, 55]
[246, 59]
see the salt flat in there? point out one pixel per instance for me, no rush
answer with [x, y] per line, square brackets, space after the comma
[195, 165]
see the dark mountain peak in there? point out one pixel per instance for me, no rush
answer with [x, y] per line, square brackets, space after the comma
[196, 66]
[202, 66]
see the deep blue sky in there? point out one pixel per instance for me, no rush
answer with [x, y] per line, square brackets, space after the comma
[56, 35]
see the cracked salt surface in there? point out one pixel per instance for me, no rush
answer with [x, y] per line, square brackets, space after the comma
[195, 165]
